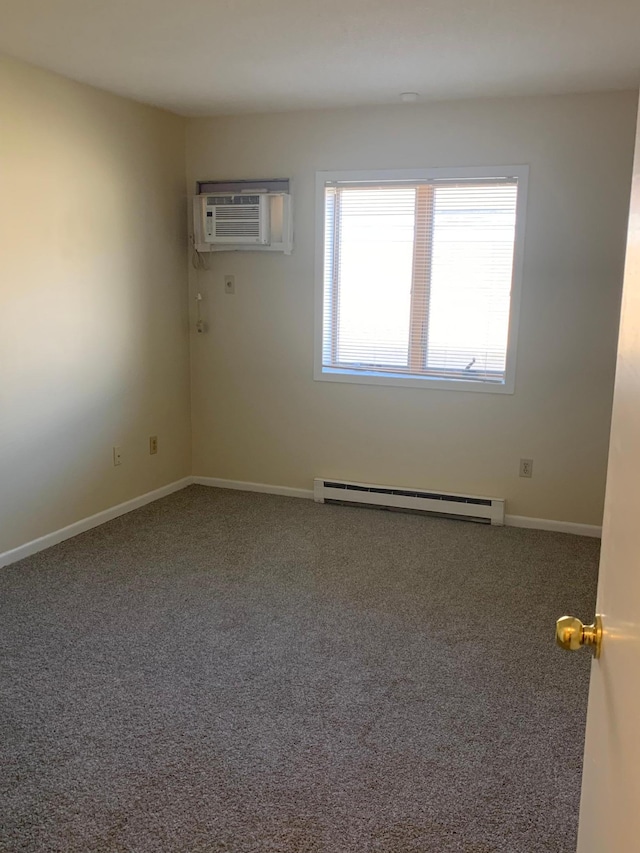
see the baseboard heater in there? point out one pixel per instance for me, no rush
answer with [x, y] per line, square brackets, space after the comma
[443, 504]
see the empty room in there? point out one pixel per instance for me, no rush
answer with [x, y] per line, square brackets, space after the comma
[320, 417]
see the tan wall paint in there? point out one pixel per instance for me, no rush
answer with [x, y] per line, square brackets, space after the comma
[259, 416]
[93, 301]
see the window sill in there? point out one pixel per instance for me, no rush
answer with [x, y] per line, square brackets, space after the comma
[370, 377]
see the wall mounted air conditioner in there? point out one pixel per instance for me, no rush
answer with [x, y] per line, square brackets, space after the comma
[241, 220]
[248, 220]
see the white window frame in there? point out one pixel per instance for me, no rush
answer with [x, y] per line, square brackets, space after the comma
[359, 377]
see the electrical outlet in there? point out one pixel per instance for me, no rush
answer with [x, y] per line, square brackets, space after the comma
[229, 284]
[526, 467]
[117, 456]
[153, 444]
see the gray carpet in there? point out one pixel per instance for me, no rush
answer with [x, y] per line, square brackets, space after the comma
[231, 672]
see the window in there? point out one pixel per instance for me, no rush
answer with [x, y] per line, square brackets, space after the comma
[418, 277]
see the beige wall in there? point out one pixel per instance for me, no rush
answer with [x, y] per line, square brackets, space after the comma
[259, 416]
[93, 301]
[93, 306]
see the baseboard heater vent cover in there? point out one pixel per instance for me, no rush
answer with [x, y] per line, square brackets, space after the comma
[447, 504]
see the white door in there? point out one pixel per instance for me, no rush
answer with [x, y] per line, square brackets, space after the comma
[610, 807]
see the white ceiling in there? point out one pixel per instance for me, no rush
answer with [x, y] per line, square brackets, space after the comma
[205, 57]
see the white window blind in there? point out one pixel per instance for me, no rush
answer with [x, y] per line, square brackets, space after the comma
[417, 277]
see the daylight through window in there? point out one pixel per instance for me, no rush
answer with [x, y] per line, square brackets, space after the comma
[417, 278]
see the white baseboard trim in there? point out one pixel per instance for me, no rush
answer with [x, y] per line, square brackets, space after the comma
[265, 488]
[29, 548]
[556, 526]
[85, 524]
[509, 520]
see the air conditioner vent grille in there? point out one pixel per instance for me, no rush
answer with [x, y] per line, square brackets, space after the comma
[232, 214]
[237, 219]
[233, 200]
[237, 229]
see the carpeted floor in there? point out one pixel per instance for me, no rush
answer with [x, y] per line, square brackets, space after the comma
[223, 671]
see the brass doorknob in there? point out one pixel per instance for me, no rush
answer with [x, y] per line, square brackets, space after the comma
[572, 635]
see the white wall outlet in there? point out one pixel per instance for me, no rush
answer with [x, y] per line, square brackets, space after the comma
[526, 467]
[117, 456]
[153, 444]
[229, 284]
